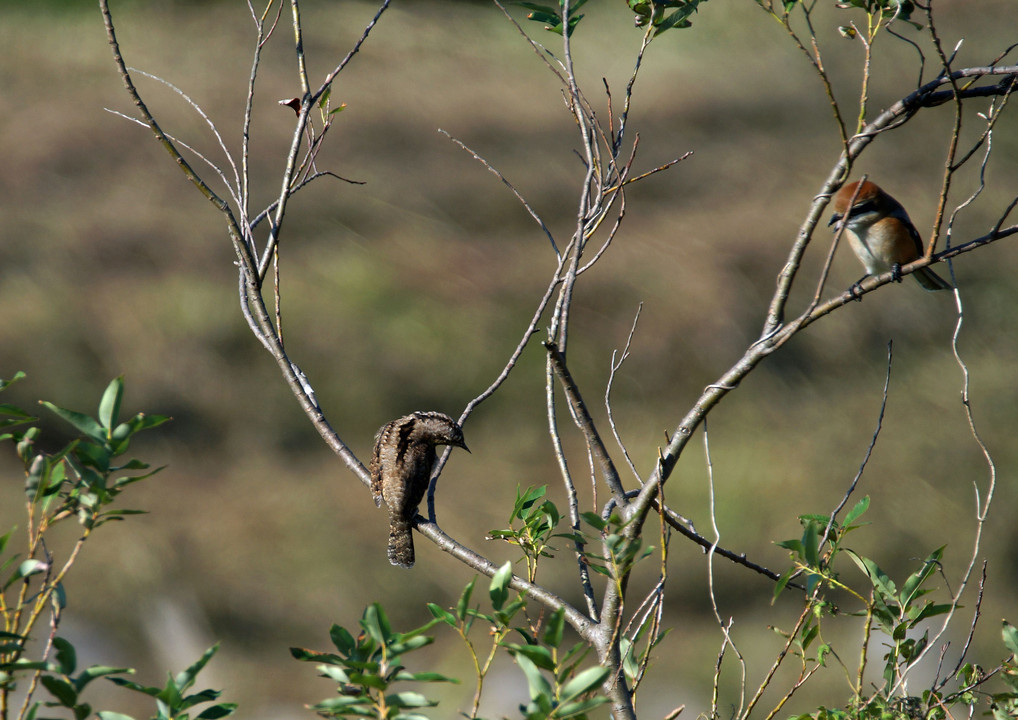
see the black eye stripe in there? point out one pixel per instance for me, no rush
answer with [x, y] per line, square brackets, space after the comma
[861, 208]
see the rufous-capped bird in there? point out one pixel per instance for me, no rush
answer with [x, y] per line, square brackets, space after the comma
[881, 233]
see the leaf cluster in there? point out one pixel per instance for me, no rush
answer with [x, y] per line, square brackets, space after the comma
[81, 478]
[558, 688]
[660, 15]
[367, 665]
[56, 675]
[532, 523]
[898, 614]
[655, 13]
[172, 700]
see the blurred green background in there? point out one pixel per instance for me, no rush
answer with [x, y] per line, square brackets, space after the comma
[410, 292]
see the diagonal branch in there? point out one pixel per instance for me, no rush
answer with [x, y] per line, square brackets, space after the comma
[579, 621]
[586, 425]
[929, 95]
[716, 392]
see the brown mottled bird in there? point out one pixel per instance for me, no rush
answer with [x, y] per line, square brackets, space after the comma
[401, 471]
[881, 233]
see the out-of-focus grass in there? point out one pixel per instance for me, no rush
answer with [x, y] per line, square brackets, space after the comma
[411, 291]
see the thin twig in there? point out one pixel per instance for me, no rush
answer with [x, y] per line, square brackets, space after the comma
[608, 388]
[725, 627]
[600, 453]
[512, 188]
[869, 448]
[235, 188]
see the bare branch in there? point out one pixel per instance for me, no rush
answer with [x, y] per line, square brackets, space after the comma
[349, 56]
[724, 626]
[586, 424]
[869, 450]
[512, 188]
[580, 622]
[608, 388]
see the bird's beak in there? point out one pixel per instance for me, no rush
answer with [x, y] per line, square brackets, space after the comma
[835, 218]
[464, 446]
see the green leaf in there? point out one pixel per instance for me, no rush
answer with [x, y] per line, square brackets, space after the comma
[881, 582]
[26, 569]
[546, 9]
[376, 624]
[369, 680]
[341, 638]
[305, 655]
[809, 635]
[96, 671]
[506, 614]
[526, 500]
[538, 654]
[37, 478]
[67, 658]
[464, 602]
[678, 19]
[23, 664]
[1010, 635]
[911, 587]
[16, 416]
[17, 376]
[186, 679]
[410, 644]
[782, 583]
[170, 696]
[109, 406]
[444, 615]
[586, 681]
[822, 652]
[217, 711]
[199, 697]
[408, 699]
[426, 677]
[93, 455]
[499, 588]
[344, 705]
[536, 682]
[131, 685]
[82, 422]
[555, 627]
[857, 510]
[810, 543]
[795, 545]
[109, 715]
[568, 710]
[594, 520]
[62, 690]
[120, 514]
[122, 433]
[6, 538]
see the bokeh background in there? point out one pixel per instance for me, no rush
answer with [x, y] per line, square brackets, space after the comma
[410, 292]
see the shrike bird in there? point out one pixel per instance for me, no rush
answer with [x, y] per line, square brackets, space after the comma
[881, 233]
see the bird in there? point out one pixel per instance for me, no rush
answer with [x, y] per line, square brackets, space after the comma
[881, 233]
[401, 463]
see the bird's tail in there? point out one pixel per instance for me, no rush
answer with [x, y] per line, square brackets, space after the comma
[930, 280]
[401, 542]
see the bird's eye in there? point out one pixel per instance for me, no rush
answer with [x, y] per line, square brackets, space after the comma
[861, 208]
